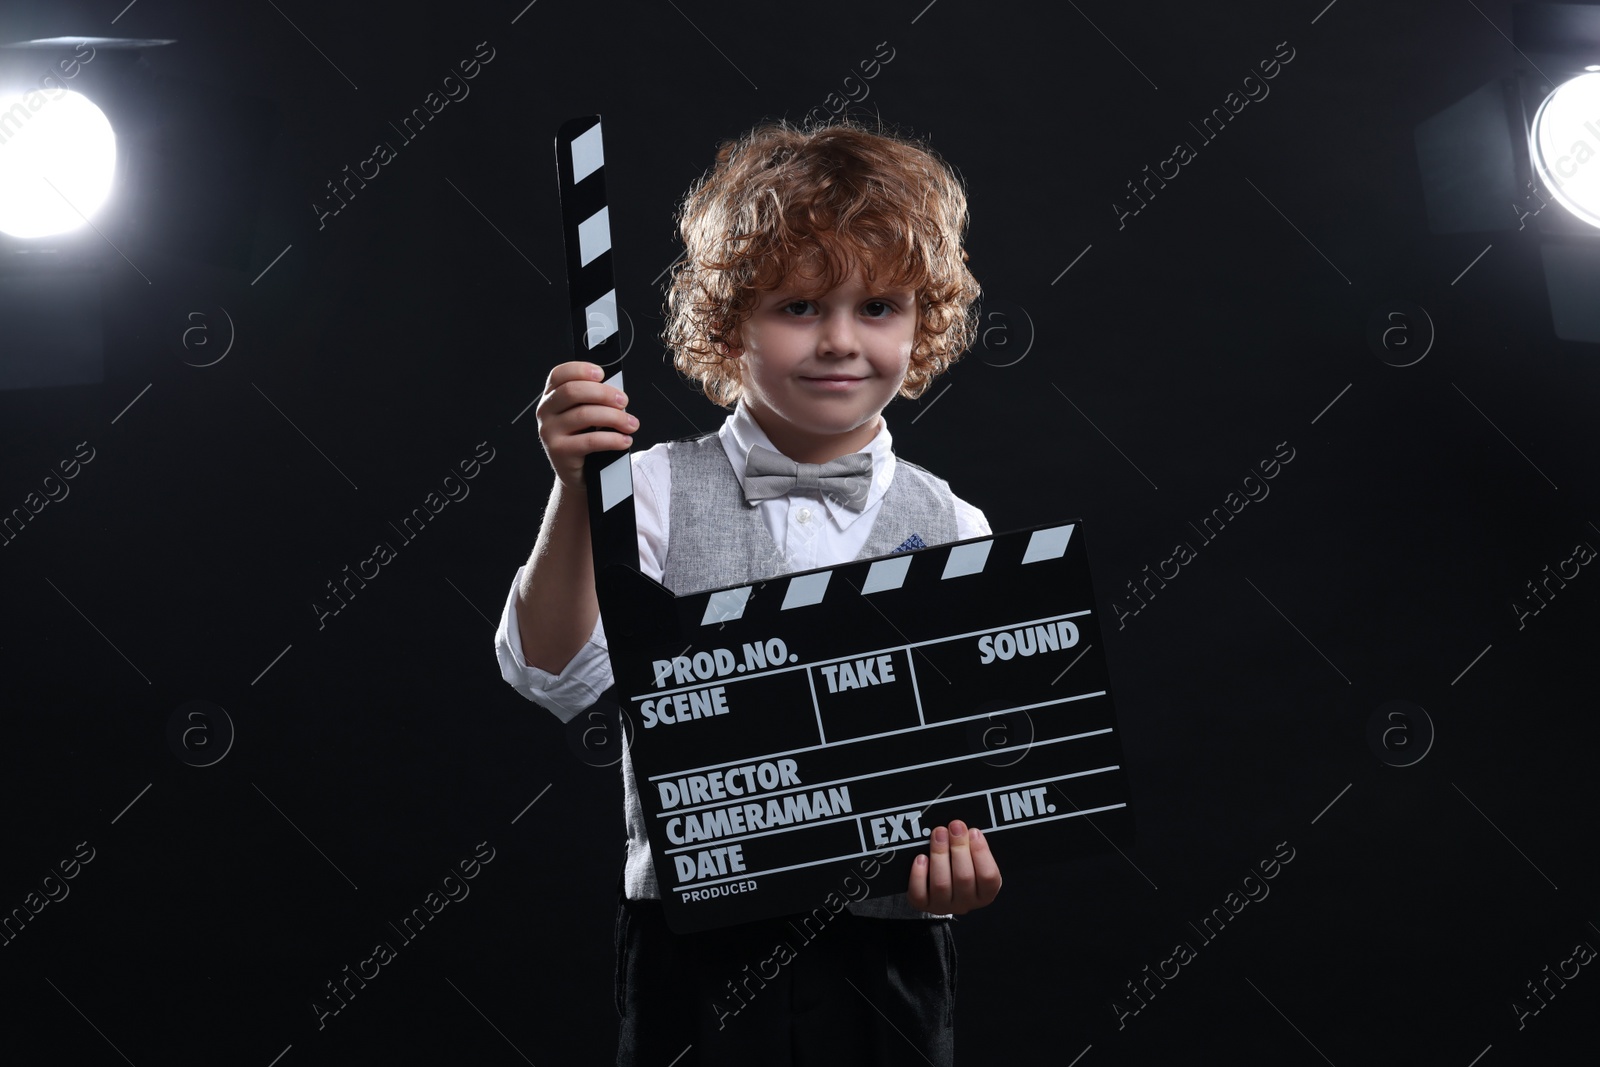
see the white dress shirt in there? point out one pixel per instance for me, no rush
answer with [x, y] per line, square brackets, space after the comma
[812, 531]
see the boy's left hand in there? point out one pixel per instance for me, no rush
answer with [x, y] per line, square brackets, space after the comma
[957, 875]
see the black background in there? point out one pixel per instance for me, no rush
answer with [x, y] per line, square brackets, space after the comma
[1226, 317]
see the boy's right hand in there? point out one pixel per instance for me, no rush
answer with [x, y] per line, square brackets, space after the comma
[575, 400]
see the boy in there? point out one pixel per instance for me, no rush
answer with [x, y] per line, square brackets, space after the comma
[823, 276]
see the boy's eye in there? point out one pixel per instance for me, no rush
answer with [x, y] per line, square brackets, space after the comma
[875, 309]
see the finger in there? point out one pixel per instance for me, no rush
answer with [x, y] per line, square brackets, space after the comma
[939, 871]
[984, 868]
[963, 892]
[576, 370]
[574, 434]
[569, 395]
[576, 420]
[917, 884]
[580, 445]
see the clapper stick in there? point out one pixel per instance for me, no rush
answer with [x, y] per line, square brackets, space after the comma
[586, 228]
[789, 733]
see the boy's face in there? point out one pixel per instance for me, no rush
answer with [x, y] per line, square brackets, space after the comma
[818, 370]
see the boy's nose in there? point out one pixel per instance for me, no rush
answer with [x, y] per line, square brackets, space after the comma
[839, 337]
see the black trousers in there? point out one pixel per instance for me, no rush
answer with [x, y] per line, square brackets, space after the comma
[785, 993]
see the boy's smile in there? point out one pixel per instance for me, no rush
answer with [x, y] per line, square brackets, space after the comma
[817, 370]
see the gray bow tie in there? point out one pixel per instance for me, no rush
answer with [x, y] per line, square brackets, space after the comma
[769, 474]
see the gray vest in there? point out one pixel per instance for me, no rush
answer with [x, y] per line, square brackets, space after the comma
[715, 539]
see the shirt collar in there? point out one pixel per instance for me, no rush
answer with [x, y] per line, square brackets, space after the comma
[740, 432]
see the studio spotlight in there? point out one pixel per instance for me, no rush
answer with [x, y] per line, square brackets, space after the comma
[58, 157]
[1500, 158]
[1563, 140]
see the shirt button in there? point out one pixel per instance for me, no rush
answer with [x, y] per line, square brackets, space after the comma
[804, 516]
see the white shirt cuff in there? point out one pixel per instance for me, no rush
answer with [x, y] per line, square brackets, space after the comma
[579, 684]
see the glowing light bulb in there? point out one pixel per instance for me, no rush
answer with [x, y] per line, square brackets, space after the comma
[58, 156]
[1564, 145]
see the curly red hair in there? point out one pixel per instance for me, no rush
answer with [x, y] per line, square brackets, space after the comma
[780, 200]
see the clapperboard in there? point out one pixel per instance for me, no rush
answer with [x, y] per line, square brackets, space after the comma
[784, 731]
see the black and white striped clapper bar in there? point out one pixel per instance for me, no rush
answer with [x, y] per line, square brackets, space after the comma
[794, 741]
